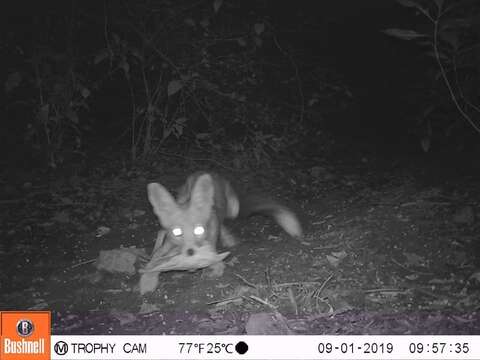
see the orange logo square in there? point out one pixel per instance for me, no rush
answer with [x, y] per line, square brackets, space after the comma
[25, 335]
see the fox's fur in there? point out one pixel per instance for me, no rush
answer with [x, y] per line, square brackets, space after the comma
[196, 217]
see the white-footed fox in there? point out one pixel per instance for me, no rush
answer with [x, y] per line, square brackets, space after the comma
[196, 217]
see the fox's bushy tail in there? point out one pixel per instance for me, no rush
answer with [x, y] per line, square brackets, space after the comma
[286, 218]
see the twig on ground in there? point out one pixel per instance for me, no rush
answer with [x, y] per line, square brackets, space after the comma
[246, 281]
[324, 284]
[264, 302]
[224, 301]
[380, 290]
[411, 270]
[298, 283]
[82, 263]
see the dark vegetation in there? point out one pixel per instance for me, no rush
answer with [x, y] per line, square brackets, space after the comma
[364, 115]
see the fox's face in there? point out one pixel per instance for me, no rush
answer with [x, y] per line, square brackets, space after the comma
[192, 224]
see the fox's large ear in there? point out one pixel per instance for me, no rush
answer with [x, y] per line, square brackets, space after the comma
[202, 194]
[163, 203]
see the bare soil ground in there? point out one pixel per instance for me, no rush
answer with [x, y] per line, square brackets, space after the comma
[386, 251]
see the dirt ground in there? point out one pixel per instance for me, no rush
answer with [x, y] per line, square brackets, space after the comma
[387, 250]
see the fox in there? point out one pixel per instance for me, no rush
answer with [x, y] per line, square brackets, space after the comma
[195, 219]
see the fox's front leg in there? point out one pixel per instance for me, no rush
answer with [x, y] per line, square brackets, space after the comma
[215, 270]
[148, 282]
[226, 238]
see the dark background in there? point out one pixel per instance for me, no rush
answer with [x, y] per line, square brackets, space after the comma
[325, 71]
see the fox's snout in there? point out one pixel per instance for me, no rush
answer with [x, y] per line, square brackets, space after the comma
[187, 240]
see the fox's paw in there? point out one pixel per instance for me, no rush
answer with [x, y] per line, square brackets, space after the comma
[148, 282]
[215, 270]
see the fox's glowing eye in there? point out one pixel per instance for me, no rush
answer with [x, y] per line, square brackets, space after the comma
[177, 232]
[199, 230]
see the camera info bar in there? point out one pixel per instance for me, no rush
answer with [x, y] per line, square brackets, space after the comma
[303, 347]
